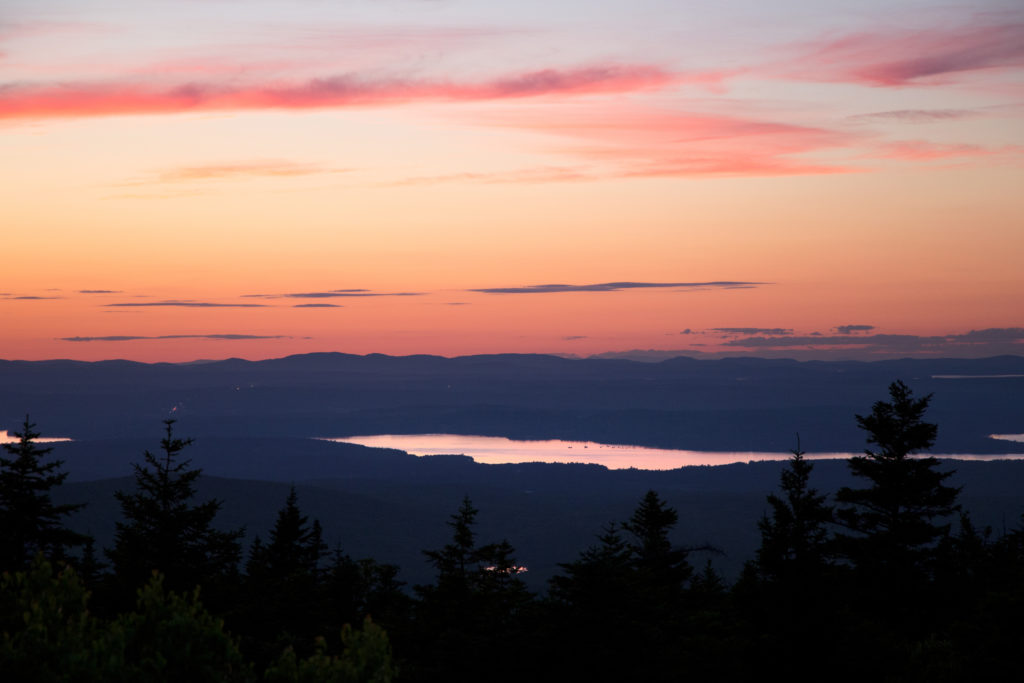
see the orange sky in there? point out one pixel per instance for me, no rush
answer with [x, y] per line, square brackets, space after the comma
[712, 180]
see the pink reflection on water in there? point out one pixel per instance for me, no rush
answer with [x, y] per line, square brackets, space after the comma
[7, 437]
[497, 450]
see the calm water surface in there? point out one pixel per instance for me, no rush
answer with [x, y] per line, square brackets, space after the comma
[495, 450]
[7, 437]
[498, 450]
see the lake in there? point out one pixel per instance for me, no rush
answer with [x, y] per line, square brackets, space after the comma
[7, 437]
[496, 450]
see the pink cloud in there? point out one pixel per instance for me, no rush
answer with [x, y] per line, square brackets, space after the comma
[105, 99]
[922, 150]
[630, 141]
[271, 168]
[544, 174]
[892, 58]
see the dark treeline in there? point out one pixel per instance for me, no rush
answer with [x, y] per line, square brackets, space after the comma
[888, 580]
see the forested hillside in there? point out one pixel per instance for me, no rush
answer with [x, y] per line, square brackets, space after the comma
[882, 571]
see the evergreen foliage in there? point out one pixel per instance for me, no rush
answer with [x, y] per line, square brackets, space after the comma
[794, 539]
[172, 637]
[48, 634]
[353, 589]
[365, 658]
[47, 631]
[894, 520]
[913, 602]
[636, 579]
[467, 572]
[164, 531]
[456, 563]
[29, 520]
[469, 621]
[282, 606]
[659, 563]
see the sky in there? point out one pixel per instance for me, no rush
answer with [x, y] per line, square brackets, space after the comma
[199, 180]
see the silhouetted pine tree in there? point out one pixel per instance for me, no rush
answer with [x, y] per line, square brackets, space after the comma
[893, 529]
[29, 521]
[794, 538]
[592, 593]
[456, 562]
[893, 521]
[354, 589]
[592, 583]
[626, 598]
[470, 621]
[788, 596]
[90, 568]
[282, 606]
[163, 531]
[662, 567]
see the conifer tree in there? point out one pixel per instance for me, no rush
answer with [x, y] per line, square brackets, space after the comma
[456, 561]
[470, 619]
[794, 538]
[283, 607]
[893, 521]
[164, 531]
[295, 547]
[661, 564]
[29, 521]
[596, 582]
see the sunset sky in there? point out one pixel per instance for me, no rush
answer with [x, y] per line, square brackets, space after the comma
[188, 180]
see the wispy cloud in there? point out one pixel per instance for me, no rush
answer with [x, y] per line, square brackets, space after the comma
[34, 100]
[612, 287]
[275, 168]
[224, 337]
[28, 297]
[316, 306]
[922, 150]
[179, 304]
[916, 115]
[847, 329]
[625, 139]
[991, 334]
[100, 291]
[894, 57]
[329, 294]
[751, 331]
[540, 174]
[1012, 336]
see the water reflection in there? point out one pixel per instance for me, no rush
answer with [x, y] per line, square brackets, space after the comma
[496, 450]
[7, 437]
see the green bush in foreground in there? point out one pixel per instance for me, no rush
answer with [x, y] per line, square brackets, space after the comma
[365, 658]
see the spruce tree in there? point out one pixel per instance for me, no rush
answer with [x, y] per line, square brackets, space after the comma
[661, 565]
[470, 620]
[794, 537]
[30, 523]
[283, 605]
[626, 598]
[793, 577]
[164, 531]
[895, 522]
[456, 561]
